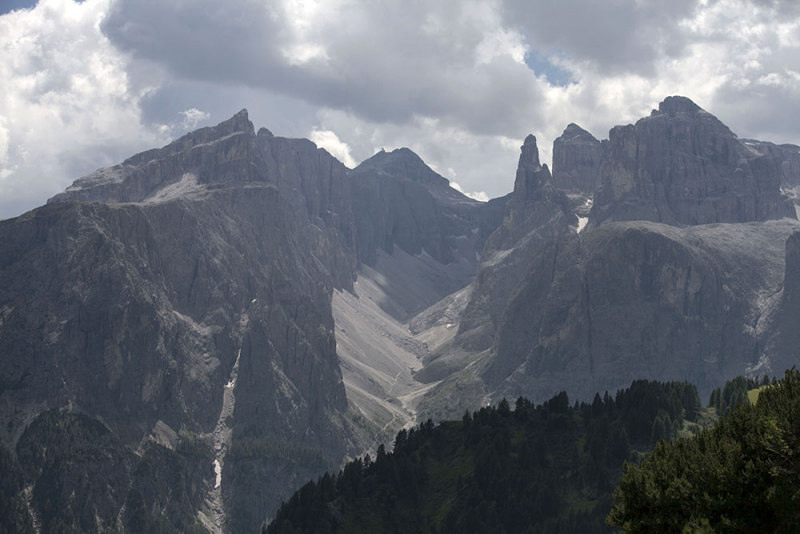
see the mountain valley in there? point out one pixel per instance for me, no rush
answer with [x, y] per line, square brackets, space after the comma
[236, 313]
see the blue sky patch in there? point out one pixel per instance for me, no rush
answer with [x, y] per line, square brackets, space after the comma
[555, 74]
[11, 5]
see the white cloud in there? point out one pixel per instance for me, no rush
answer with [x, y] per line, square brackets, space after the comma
[192, 117]
[330, 141]
[480, 196]
[66, 107]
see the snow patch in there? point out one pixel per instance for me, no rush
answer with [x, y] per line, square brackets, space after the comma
[35, 519]
[223, 432]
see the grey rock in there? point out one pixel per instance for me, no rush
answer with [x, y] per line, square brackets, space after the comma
[401, 201]
[638, 300]
[578, 160]
[535, 213]
[223, 246]
[787, 155]
[682, 166]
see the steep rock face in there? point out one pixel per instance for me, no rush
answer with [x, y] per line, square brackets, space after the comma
[638, 300]
[401, 201]
[682, 166]
[578, 160]
[153, 489]
[213, 258]
[787, 155]
[783, 321]
[534, 213]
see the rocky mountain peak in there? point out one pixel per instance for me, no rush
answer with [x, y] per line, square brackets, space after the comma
[573, 130]
[535, 212]
[240, 122]
[676, 104]
[683, 166]
[401, 201]
[403, 163]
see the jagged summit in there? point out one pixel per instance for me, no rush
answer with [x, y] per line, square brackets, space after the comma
[529, 157]
[212, 154]
[573, 130]
[239, 123]
[683, 166]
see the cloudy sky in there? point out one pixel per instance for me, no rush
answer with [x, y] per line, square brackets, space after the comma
[86, 84]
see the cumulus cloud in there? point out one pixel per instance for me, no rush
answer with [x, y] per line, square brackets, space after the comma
[480, 196]
[192, 117]
[330, 141]
[66, 107]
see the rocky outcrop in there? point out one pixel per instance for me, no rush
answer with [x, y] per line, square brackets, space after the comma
[638, 300]
[682, 166]
[535, 213]
[578, 160]
[88, 480]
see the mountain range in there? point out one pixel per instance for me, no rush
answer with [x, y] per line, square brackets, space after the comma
[189, 336]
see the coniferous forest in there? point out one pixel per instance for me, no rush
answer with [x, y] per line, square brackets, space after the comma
[741, 476]
[545, 468]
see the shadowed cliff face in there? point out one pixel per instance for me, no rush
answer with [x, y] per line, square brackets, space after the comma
[401, 201]
[682, 166]
[787, 157]
[215, 253]
[639, 300]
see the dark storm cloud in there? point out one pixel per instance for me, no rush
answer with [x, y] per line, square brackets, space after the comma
[615, 36]
[384, 61]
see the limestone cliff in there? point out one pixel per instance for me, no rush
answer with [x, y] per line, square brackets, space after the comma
[639, 300]
[682, 166]
[193, 301]
[403, 202]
